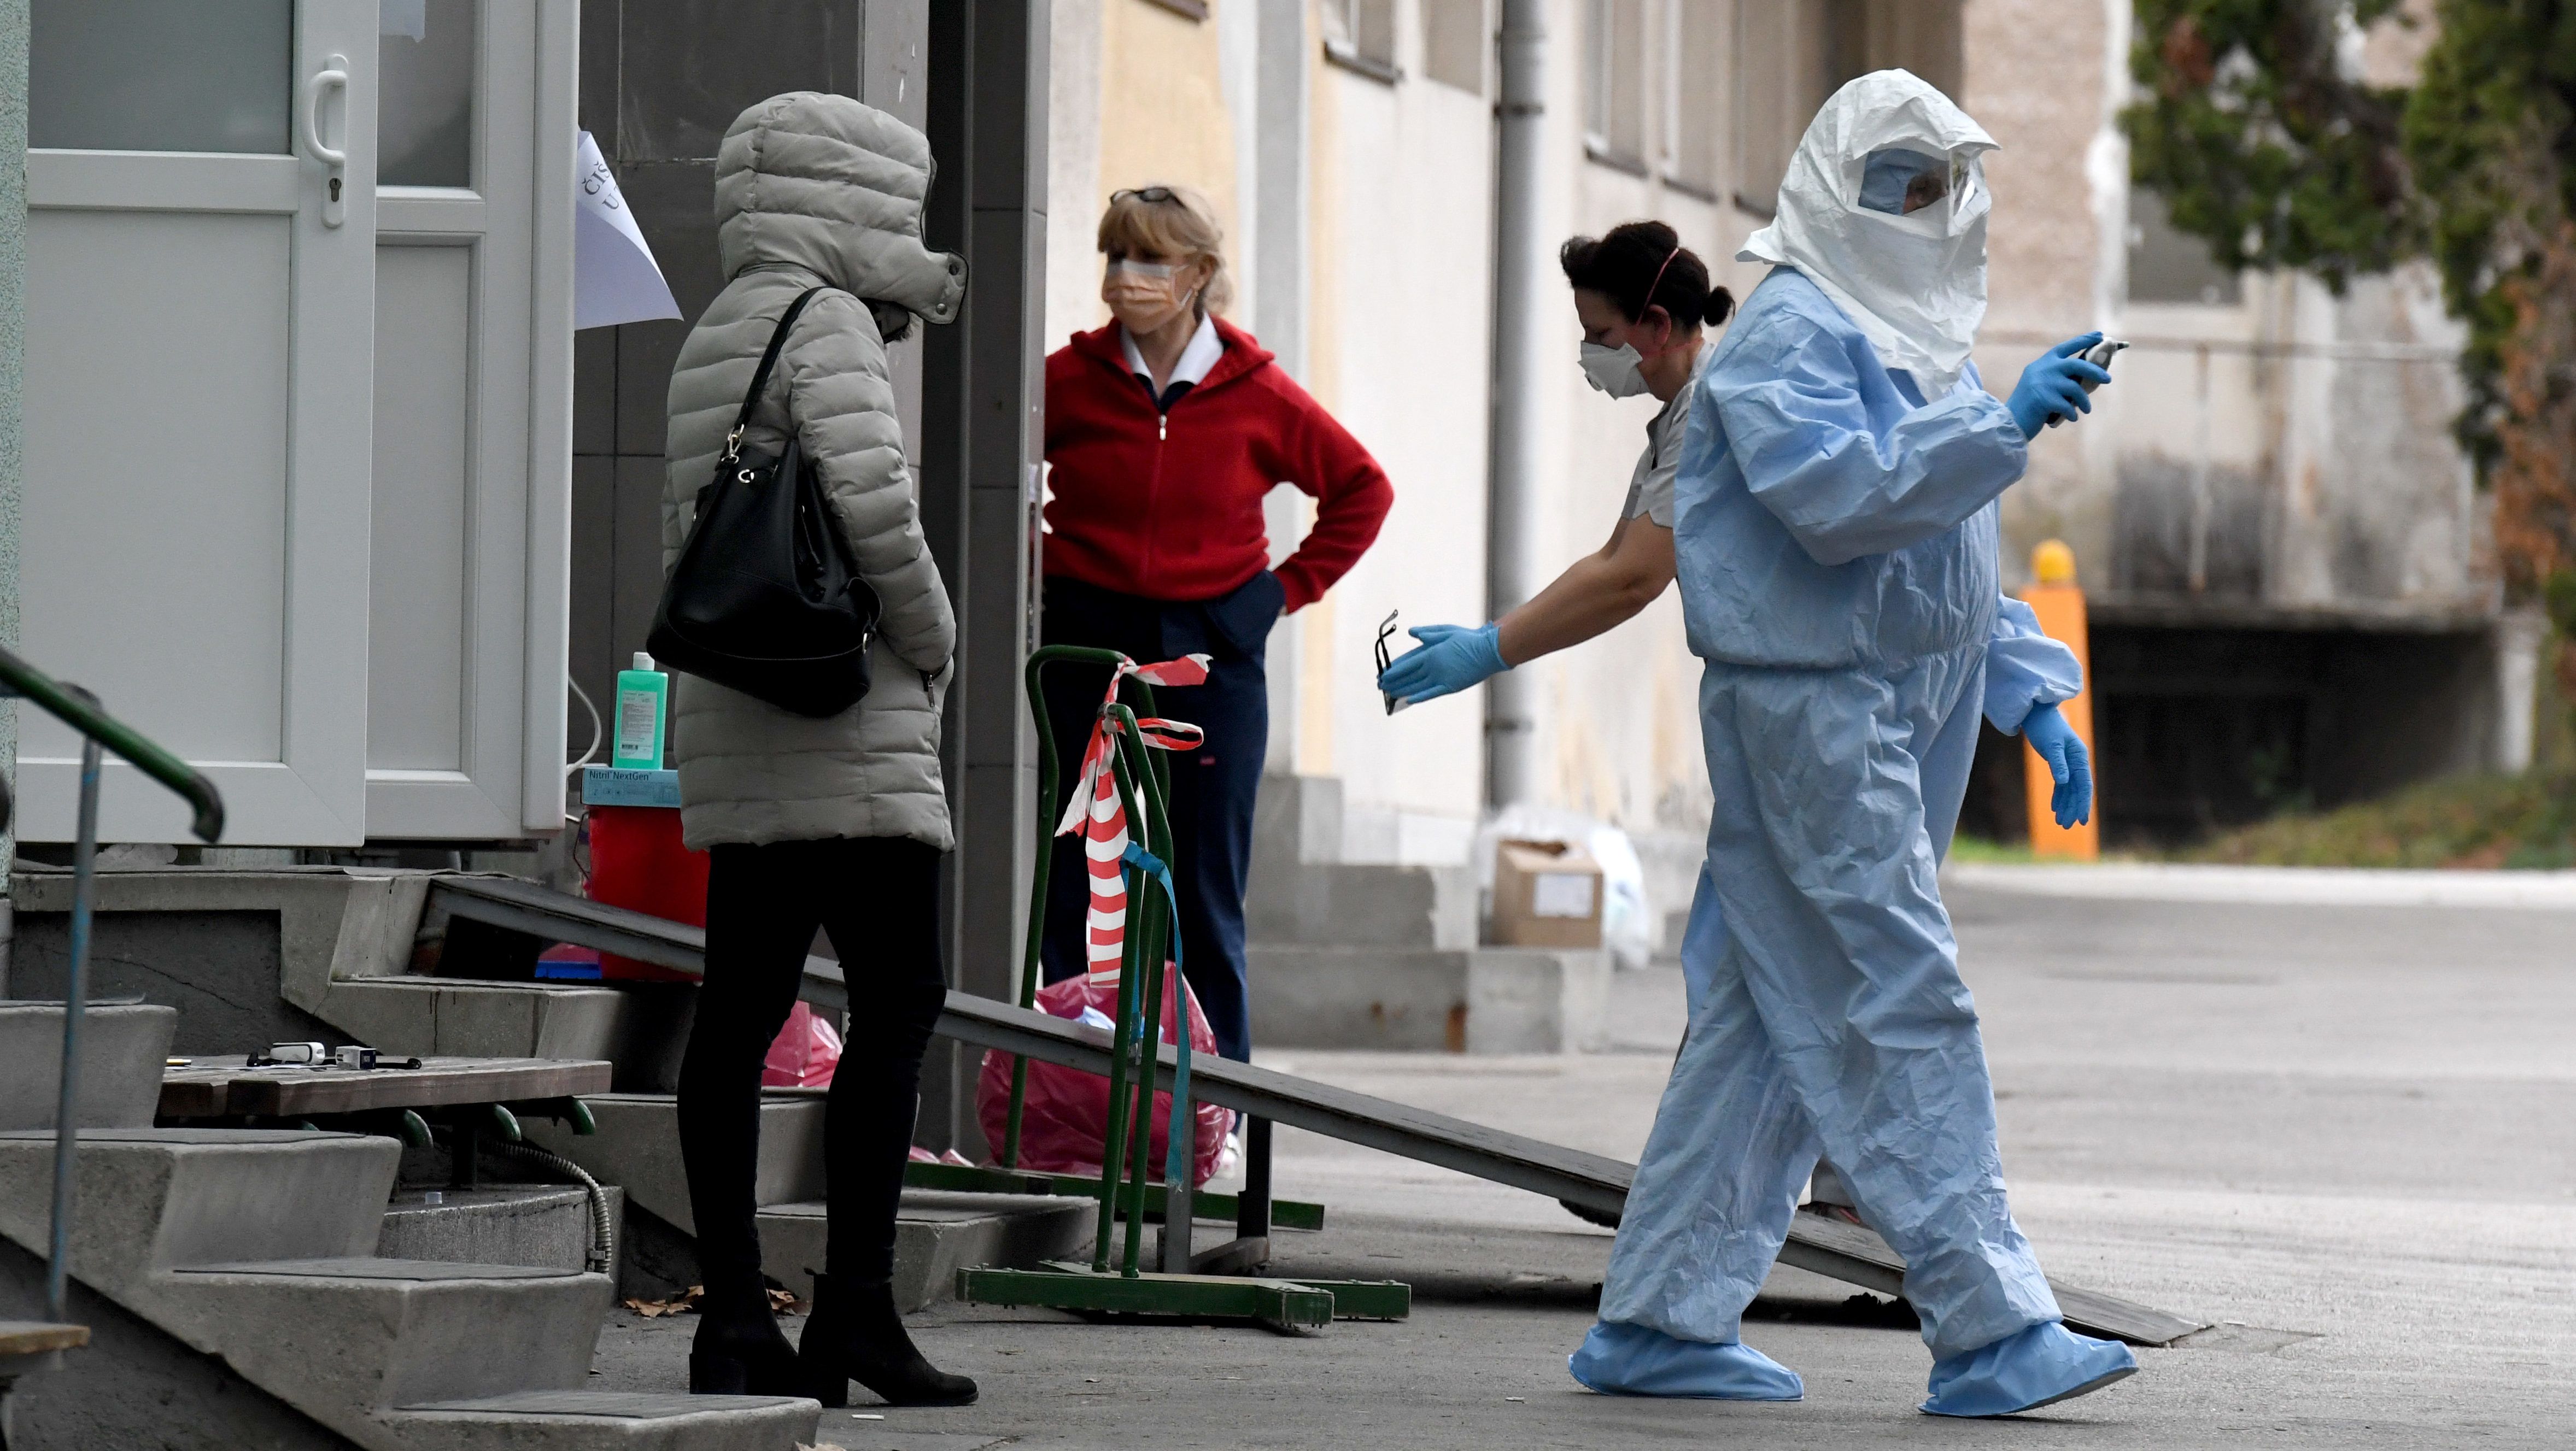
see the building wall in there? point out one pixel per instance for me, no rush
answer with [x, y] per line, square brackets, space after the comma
[2294, 594]
[1402, 299]
[1690, 125]
[13, 332]
[1135, 97]
[2044, 78]
[2332, 480]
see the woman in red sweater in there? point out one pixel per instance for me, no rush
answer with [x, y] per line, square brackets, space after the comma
[1165, 430]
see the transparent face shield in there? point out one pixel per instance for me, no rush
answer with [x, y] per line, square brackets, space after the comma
[1922, 191]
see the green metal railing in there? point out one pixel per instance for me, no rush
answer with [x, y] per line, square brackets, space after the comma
[100, 733]
[1137, 699]
[1132, 1187]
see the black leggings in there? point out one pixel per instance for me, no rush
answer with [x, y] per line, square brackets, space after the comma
[879, 898]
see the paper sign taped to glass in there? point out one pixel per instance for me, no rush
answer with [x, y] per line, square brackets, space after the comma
[614, 277]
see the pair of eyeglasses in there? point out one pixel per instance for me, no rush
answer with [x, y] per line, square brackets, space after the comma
[1385, 632]
[1153, 195]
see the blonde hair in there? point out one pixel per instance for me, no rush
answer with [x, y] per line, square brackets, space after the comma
[1177, 225]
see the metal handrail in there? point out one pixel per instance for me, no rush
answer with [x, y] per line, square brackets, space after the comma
[78, 709]
[99, 732]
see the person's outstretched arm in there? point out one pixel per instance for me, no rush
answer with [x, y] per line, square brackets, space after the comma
[1595, 594]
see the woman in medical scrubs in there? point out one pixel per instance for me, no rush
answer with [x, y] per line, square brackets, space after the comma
[1645, 302]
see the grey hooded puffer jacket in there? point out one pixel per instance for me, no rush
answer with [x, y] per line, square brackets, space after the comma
[819, 190]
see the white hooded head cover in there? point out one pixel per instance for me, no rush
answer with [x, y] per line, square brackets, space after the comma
[1915, 284]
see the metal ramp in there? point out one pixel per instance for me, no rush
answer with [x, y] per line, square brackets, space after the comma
[1846, 1252]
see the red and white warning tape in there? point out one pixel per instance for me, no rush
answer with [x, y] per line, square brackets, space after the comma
[1094, 811]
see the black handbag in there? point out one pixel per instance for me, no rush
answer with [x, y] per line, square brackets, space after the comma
[765, 598]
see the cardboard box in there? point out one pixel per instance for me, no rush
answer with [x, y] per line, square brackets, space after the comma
[1546, 894]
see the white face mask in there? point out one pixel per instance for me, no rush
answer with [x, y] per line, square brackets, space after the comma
[1617, 371]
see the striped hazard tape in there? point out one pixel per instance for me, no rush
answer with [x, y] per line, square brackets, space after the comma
[1094, 812]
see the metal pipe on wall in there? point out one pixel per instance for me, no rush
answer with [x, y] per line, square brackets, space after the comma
[1520, 260]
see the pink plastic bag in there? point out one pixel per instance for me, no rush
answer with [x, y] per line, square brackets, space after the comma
[1067, 1111]
[804, 1053]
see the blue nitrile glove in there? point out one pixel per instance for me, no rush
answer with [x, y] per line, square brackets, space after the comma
[2052, 387]
[2063, 750]
[1452, 658]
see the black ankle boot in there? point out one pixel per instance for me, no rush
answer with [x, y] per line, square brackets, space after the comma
[740, 1351]
[855, 1334]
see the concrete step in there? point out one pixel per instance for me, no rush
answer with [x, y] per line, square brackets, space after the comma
[1302, 893]
[1339, 904]
[637, 1148]
[345, 1339]
[937, 1234]
[1478, 1000]
[122, 1049]
[642, 1029]
[542, 1225]
[151, 1200]
[252, 1247]
[1296, 820]
[608, 1421]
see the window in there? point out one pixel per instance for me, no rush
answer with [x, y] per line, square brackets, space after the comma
[2167, 264]
[160, 75]
[1360, 34]
[1457, 36]
[1923, 36]
[425, 94]
[1697, 81]
[1791, 54]
[1616, 104]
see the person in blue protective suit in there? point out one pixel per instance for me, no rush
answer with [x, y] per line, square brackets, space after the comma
[1835, 540]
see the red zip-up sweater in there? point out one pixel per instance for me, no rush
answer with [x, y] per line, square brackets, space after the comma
[1169, 506]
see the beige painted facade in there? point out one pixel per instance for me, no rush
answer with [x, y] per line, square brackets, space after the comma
[1683, 110]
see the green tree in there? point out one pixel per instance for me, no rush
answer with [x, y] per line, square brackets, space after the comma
[2256, 125]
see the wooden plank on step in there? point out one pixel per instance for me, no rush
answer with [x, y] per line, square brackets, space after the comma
[39, 1337]
[226, 1087]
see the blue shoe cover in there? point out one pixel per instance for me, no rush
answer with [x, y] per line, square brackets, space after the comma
[2026, 1370]
[1631, 1360]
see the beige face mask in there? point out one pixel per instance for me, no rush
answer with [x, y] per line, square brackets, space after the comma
[1144, 296]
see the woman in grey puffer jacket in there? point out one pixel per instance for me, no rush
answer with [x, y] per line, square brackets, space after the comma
[837, 822]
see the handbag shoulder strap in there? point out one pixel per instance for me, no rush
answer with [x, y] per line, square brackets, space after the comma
[760, 379]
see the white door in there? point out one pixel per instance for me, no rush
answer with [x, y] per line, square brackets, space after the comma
[200, 318]
[473, 446]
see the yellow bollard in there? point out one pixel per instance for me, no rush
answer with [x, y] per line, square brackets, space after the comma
[2059, 602]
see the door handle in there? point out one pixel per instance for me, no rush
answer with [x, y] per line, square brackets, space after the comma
[334, 75]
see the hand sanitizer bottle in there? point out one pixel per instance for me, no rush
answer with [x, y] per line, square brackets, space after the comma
[643, 705]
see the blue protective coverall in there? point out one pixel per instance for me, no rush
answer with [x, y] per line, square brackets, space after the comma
[1835, 535]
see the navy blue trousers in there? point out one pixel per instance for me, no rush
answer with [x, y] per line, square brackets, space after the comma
[1213, 787]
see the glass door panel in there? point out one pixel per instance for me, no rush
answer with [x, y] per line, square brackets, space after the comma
[161, 75]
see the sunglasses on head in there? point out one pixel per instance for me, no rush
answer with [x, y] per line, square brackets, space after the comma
[1152, 195]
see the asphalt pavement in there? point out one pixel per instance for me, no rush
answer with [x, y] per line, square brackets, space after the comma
[2344, 1135]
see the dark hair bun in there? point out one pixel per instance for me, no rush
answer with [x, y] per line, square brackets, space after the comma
[1636, 259]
